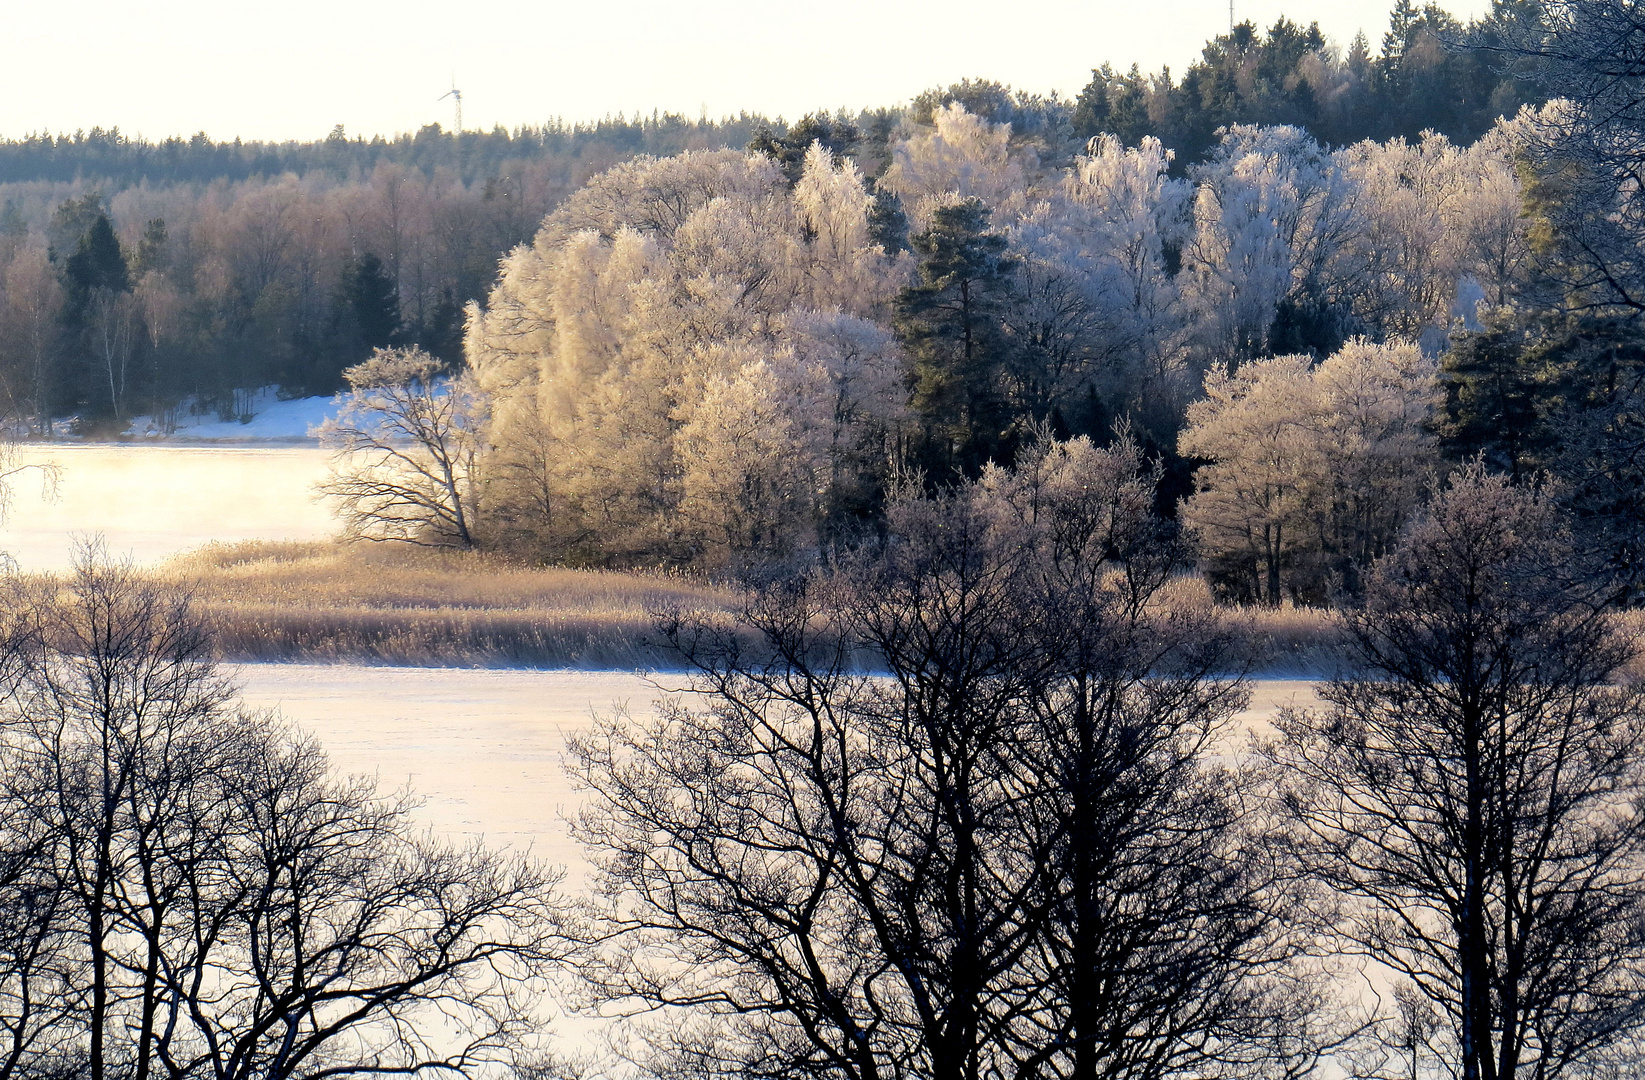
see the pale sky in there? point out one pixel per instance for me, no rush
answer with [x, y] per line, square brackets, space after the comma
[293, 68]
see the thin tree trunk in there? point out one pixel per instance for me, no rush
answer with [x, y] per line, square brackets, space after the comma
[1083, 986]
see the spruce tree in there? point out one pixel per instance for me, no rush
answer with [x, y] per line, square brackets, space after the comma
[374, 301]
[93, 277]
[365, 316]
[1494, 398]
[838, 136]
[98, 262]
[152, 248]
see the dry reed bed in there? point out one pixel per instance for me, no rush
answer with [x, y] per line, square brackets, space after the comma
[399, 605]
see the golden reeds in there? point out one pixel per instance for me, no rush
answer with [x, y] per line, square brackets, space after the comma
[404, 605]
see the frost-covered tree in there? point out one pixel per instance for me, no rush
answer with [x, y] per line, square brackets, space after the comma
[961, 156]
[643, 353]
[1378, 400]
[1408, 198]
[1096, 307]
[407, 448]
[747, 483]
[845, 378]
[1273, 213]
[1586, 149]
[1493, 231]
[1441, 230]
[651, 358]
[1251, 504]
[657, 195]
[1313, 470]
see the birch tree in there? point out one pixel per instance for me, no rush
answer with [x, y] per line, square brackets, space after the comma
[406, 452]
[649, 315]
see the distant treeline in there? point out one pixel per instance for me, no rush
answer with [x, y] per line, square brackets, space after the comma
[1431, 73]
[113, 159]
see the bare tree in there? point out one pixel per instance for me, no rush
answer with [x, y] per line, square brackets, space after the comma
[408, 444]
[113, 330]
[39, 980]
[863, 856]
[225, 907]
[1473, 792]
[833, 869]
[1172, 940]
[33, 302]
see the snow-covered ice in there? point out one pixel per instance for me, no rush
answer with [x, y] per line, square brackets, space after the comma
[153, 501]
[486, 748]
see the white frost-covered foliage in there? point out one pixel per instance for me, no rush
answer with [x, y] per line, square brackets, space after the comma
[1441, 230]
[690, 360]
[1098, 303]
[1313, 469]
[1273, 214]
[1396, 240]
[695, 358]
[961, 156]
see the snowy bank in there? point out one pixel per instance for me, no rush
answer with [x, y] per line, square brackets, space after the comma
[266, 419]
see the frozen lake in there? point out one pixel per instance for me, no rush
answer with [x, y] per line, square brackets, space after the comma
[152, 502]
[485, 747]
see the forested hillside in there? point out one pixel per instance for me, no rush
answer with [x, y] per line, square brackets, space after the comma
[136, 275]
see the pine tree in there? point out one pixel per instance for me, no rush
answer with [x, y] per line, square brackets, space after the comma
[949, 322]
[374, 300]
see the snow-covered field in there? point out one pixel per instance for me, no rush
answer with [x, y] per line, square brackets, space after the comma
[153, 501]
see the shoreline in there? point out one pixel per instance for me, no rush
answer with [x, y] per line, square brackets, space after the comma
[334, 603]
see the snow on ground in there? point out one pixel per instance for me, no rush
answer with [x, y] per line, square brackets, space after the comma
[270, 420]
[153, 501]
